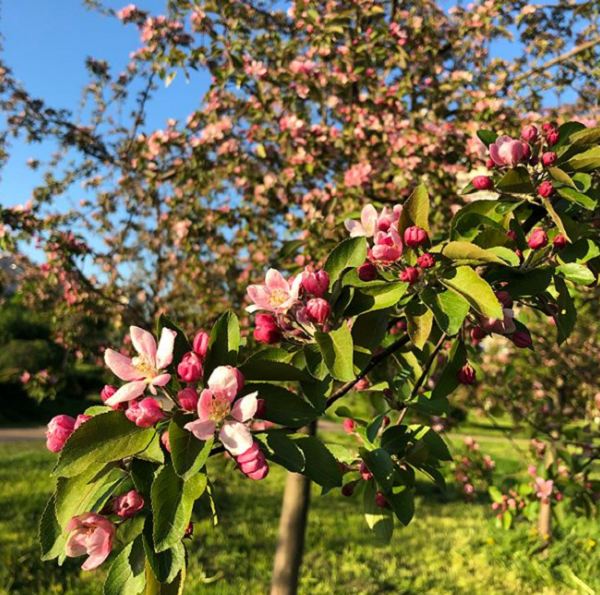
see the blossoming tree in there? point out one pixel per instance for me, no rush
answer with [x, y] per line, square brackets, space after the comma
[130, 471]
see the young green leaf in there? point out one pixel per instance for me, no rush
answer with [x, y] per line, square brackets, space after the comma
[415, 210]
[188, 453]
[475, 290]
[350, 253]
[337, 350]
[224, 343]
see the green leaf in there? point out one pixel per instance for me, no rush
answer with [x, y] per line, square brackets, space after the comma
[321, 466]
[314, 362]
[142, 474]
[174, 587]
[580, 252]
[487, 137]
[350, 253]
[188, 453]
[567, 314]
[172, 502]
[127, 574]
[371, 299]
[395, 440]
[578, 198]
[380, 464]
[415, 210]
[587, 161]
[165, 565]
[469, 285]
[509, 257]
[272, 364]
[379, 520]
[420, 323]
[402, 501]
[449, 309]
[515, 181]
[182, 345]
[584, 136]
[224, 343]
[577, 273]
[448, 381]
[282, 450]
[153, 453]
[530, 283]
[51, 536]
[337, 350]
[283, 406]
[560, 176]
[368, 331]
[102, 439]
[435, 443]
[468, 253]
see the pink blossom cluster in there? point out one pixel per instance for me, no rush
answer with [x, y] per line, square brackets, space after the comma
[473, 470]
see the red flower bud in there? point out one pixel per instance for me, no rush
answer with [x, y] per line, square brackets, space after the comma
[483, 183]
[188, 398]
[552, 136]
[529, 133]
[511, 235]
[367, 272]
[549, 158]
[426, 261]
[559, 242]
[348, 489]
[200, 343]
[165, 441]
[526, 151]
[107, 392]
[490, 164]
[547, 126]
[364, 472]
[545, 189]
[410, 275]
[267, 331]
[316, 283]
[380, 500]
[415, 236]
[261, 409]
[504, 298]
[189, 531]
[466, 375]
[522, 339]
[318, 310]
[190, 367]
[538, 239]
[477, 333]
[349, 426]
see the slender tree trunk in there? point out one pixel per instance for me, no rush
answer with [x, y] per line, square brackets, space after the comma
[545, 521]
[292, 528]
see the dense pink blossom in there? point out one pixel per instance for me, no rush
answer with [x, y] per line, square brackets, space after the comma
[507, 151]
[146, 413]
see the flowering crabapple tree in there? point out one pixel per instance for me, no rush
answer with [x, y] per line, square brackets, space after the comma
[129, 471]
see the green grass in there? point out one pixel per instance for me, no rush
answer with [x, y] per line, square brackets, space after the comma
[449, 549]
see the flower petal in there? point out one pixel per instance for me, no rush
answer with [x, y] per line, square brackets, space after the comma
[236, 437]
[355, 228]
[164, 354]
[144, 342]
[160, 380]
[205, 403]
[245, 408]
[203, 430]
[368, 218]
[128, 392]
[121, 366]
[275, 280]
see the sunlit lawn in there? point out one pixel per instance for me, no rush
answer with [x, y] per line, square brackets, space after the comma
[450, 548]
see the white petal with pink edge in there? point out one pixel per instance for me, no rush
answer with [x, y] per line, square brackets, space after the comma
[121, 366]
[244, 409]
[236, 437]
[127, 392]
[203, 430]
[164, 354]
[144, 342]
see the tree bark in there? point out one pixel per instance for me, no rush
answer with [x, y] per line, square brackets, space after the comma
[291, 532]
[545, 521]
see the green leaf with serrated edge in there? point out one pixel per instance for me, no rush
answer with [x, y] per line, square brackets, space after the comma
[560, 176]
[584, 136]
[435, 443]
[132, 528]
[448, 381]
[577, 273]
[509, 256]
[380, 464]
[469, 285]
[583, 200]
[371, 299]
[515, 181]
[368, 331]
[374, 427]
[587, 161]
[320, 466]
[350, 253]
[555, 217]
[402, 502]
[337, 350]
[172, 502]
[379, 520]
[51, 537]
[567, 314]
[224, 343]
[284, 451]
[87, 492]
[415, 210]
[165, 566]
[467, 253]
[529, 283]
[175, 587]
[142, 474]
[580, 252]
[182, 345]
[272, 364]
[341, 453]
[487, 137]
[420, 323]
[317, 392]
[96, 410]
[315, 363]
[127, 574]
[102, 439]
[425, 404]
[153, 452]
[283, 406]
[449, 309]
[188, 453]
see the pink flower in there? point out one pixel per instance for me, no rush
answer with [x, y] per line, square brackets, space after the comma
[128, 504]
[190, 367]
[316, 283]
[188, 398]
[145, 369]
[92, 535]
[368, 223]
[410, 275]
[507, 151]
[276, 295]
[107, 392]
[217, 410]
[349, 426]
[358, 174]
[388, 247]
[200, 343]
[144, 414]
[58, 432]
[543, 488]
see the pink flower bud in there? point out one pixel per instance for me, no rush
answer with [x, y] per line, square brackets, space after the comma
[189, 531]
[267, 331]
[166, 441]
[144, 414]
[526, 152]
[559, 242]
[348, 489]
[58, 432]
[349, 426]
[200, 343]
[522, 339]
[107, 392]
[385, 422]
[410, 275]
[252, 463]
[529, 133]
[81, 419]
[511, 235]
[128, 504]
[552, 136]
[318, 310]
[504, 298]
[466, 375]
[547, 126]
[380, 500]
[190, 367]
[549, 159]
[364, 472]
[362, 384]
[317, 283]
[188, 398]
[477, 333]
[490, 164]
[483, 182]
[538, 239]
[415, 236]
[545, 189]
[367, 272]
[261, 409]
[426, 261]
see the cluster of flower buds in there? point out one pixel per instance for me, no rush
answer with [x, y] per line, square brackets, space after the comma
[252, 463]
[297, 306]
[60, 429]
[190, 368]
[512, 502]
[473, 470]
